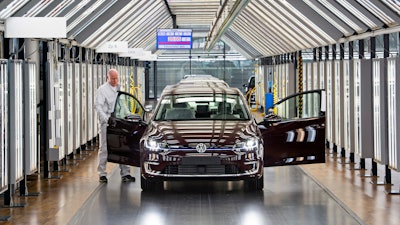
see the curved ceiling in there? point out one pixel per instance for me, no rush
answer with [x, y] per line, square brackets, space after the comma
[254, 28]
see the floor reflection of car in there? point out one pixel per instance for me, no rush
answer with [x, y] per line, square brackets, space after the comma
[204, 130]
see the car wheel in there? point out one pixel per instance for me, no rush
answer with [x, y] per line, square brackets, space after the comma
[151, 185]
[256, 184]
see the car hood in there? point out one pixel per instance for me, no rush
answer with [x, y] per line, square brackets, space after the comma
[214, 133]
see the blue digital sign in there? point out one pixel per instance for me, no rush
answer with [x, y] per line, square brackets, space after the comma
[174, 39]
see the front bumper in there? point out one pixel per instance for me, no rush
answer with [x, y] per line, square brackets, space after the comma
[221, 164]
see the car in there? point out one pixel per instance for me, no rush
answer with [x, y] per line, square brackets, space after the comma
[205, 130]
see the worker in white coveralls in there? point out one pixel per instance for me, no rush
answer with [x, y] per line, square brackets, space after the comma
[104, 105]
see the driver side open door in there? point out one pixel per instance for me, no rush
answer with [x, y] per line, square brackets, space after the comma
[294, 130]
[126, 126]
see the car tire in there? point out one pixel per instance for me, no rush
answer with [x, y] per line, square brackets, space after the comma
[151, 185]
[256, 184]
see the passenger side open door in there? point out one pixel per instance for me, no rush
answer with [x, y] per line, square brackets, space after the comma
[126, 126]
[294, 130]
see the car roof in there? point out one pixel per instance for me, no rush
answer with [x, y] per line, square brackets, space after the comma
[196, 78]
[204, 86]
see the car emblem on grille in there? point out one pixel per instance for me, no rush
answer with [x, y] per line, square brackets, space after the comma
[201, 148]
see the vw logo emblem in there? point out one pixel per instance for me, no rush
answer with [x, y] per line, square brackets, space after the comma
[201, 148]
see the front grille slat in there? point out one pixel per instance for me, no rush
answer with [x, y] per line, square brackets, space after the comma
[203, 170]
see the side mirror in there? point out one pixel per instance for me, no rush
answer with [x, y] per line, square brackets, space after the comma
[271, 118]
[133, 117]
[148, 108]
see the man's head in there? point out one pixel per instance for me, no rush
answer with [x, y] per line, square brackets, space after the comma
[112, 77]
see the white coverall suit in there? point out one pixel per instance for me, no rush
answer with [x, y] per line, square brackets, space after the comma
[104, 105]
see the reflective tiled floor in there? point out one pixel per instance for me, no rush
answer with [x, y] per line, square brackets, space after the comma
[289, 197]
[330, 193]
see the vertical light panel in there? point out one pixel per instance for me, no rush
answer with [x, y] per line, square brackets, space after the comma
[315, 76]
[30, 118]
[3, 125]
[95, 87]
[60, 115]
[90, 113]
[259, 84]
[77, 105]
[308, 76]
[103, 75]
[329, 101]
[322, 76]
[351, 105]
[337, 103]
[127, 74]
[347, 109]
[363, 120]
[291, 79]
[393, 109]
[55, 104]
[357, 109]
[83, 110]
[278, 81]
[65, 139]
[141, 80]
[16, 122]
[121, 72]
[379, 112]
[282, 81]
[69, 92]
[376, 109]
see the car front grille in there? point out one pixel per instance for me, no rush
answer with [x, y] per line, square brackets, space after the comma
[200, 169]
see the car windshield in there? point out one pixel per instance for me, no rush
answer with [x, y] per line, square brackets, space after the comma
[201, 107]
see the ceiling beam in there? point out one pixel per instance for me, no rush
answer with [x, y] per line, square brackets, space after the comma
[172, 15]
[218, 28]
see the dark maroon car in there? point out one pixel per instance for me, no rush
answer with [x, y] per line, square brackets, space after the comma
[204, 130]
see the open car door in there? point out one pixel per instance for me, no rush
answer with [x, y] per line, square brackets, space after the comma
[294, 130]
[126, 126]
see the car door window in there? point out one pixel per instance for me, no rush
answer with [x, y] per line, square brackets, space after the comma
[305, 105]
[127, 105]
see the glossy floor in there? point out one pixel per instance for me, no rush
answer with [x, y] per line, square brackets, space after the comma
[330, 193]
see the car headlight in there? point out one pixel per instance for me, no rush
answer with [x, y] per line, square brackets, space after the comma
[154, 145]
[247, 145]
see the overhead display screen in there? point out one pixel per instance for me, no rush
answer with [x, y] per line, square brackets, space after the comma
[174, 39]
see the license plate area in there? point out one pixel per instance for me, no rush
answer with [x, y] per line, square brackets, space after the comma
[201, 165]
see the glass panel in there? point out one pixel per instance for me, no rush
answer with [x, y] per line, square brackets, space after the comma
[235, 72]
[203, 107]
[127, 105]
[306, 105]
